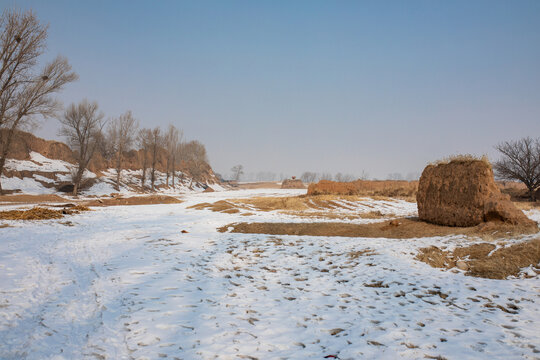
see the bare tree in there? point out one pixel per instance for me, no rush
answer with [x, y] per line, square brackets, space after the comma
[26, 93]
[364, 175]
[144, 140]
[156, 142]
[520, 161]
[326, 176]
[120, 136]
[81, 125]
[237, 172]
[194, 154]
[308, 177]
[172, 139]
[344, 177]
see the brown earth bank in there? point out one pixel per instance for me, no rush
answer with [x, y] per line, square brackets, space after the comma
[389, 188]
[482, 260]
[25, 142]
[463, 192]
[404, 228]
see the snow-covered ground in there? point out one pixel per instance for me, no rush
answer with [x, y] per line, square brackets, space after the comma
[124, 282]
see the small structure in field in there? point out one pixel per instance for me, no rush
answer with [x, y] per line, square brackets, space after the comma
[293, 183]
[462, 192]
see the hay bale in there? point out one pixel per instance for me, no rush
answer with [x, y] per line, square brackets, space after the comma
[292, 184]
[463, 192]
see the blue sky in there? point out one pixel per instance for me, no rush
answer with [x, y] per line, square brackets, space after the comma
[289, 86]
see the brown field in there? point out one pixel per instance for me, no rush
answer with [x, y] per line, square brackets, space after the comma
[480, 260]
[404, 228]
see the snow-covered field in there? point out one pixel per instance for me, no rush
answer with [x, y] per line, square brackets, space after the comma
[124, 282]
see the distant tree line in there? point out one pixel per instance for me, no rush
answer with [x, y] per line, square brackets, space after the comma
[27, 93]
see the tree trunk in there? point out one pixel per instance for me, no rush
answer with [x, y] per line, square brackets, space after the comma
[77, 180]
[532, 193]
[172, 171]
[143, 177]
[2, 162]
[118, 170]
[5, 152]
[167, 171]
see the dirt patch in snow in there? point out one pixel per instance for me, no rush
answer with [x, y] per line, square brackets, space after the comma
[404, 228]
[41, 213]
[134, 200]
[485, 259]
[31, 199]
[321, 206]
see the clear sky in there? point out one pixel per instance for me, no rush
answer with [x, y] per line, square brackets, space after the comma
[289, 86]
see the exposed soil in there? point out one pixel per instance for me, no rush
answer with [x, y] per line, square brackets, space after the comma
[482, 260]
[135, 200]
[326, 206]
[41, 213]
[405, 228]
[31, 199]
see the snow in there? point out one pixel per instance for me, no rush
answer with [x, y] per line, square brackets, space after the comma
[125, 283]
[38, 162]
[103, 185]
[26, 185]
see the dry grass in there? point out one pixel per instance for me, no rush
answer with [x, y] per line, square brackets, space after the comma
[527, 205]
[405, 228]
[463, 158]
[36, 213]
[41, 213]
[477, 261]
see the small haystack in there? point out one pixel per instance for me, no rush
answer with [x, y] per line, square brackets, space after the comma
[292, 184]
[462, 192]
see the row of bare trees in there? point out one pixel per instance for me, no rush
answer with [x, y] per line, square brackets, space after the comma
[84, 128]
[192, 154]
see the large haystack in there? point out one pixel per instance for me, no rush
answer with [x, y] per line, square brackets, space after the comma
[292, 184]
[462, 192]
